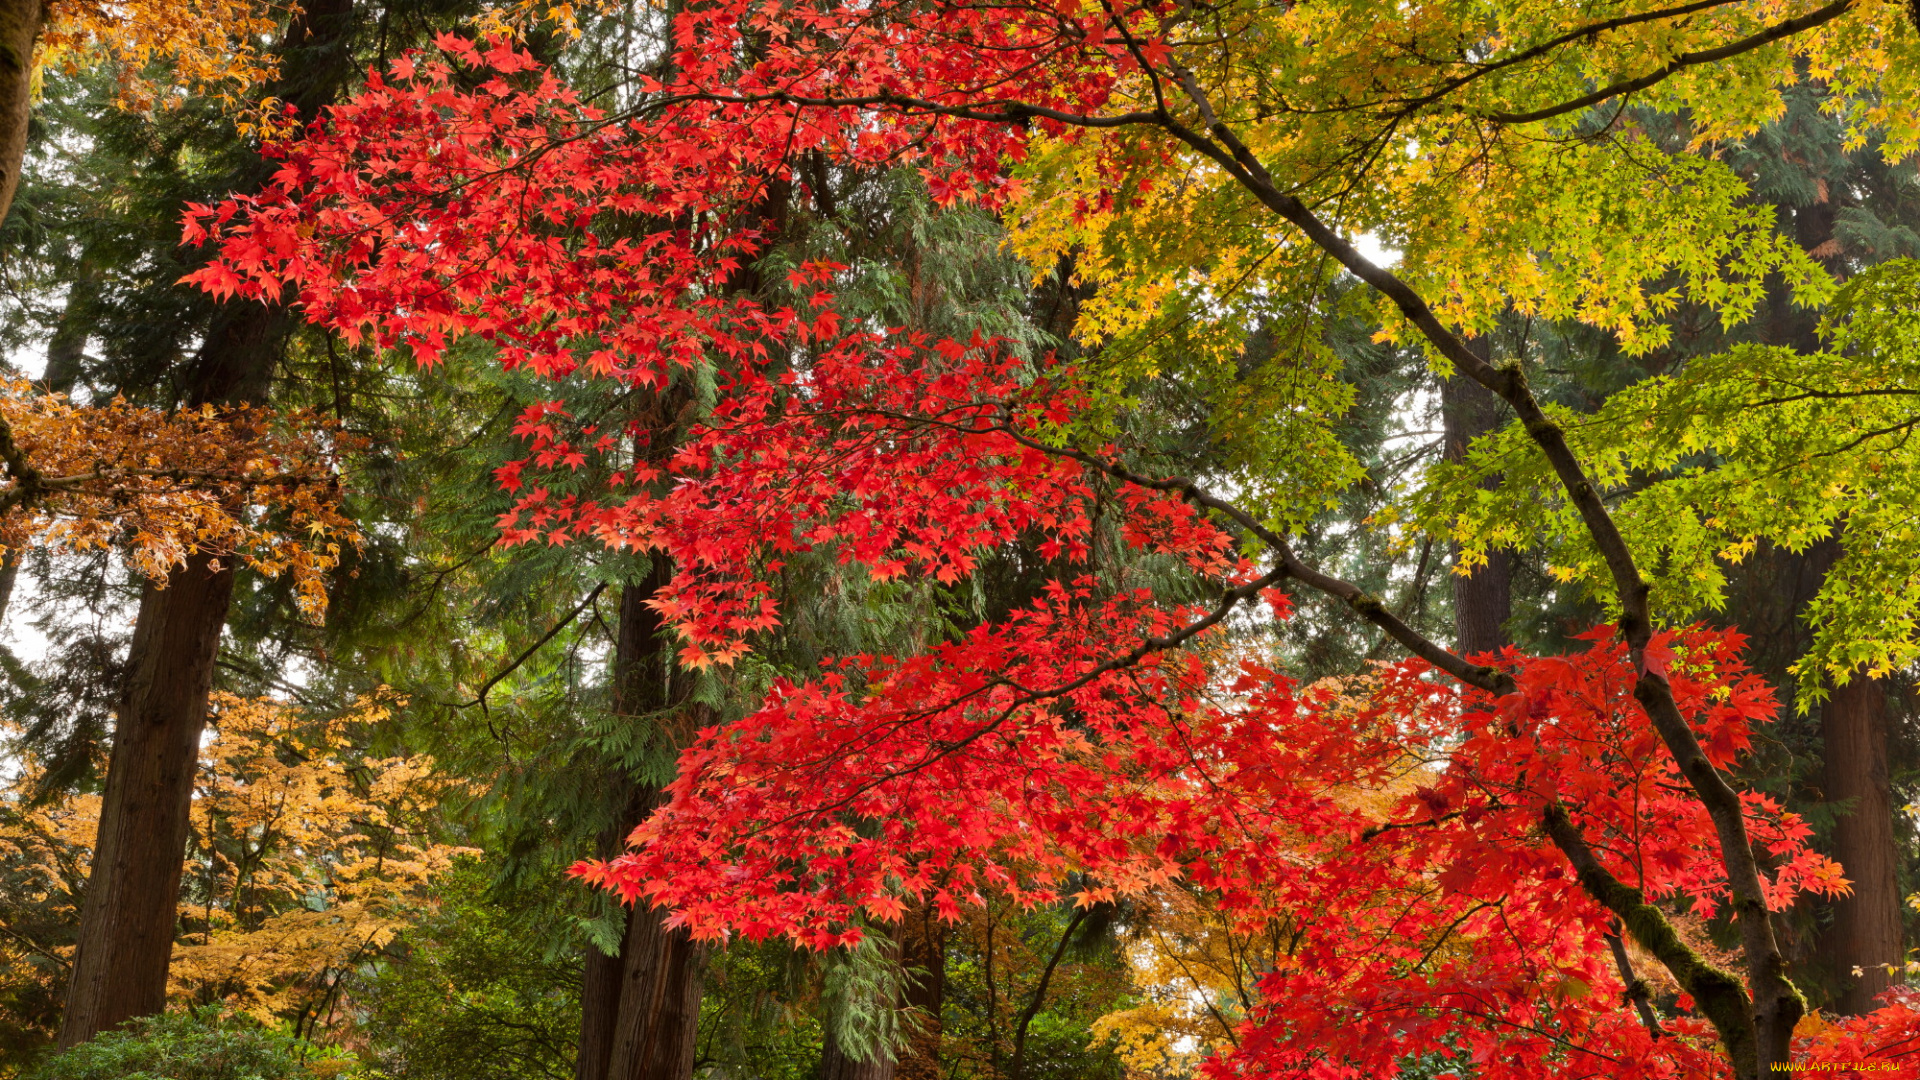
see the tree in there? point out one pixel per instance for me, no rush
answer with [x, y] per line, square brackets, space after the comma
[127, 926]
[212, 46]
[1489, 147]
[308, 853]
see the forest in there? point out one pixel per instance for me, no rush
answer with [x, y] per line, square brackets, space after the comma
[959, 539]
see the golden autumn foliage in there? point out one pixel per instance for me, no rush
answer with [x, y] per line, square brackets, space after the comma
[212, 47]
[307, 852]
[43, 873]
[246, 485]
[1194, 974]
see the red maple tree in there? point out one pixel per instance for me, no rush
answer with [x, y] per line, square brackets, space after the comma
[1102, 740]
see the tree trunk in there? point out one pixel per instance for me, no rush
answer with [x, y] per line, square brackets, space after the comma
[1482, 601]
[1866, 932]
[640, 1010]
[663, 977]
[836, 1065]
[923, 946]
[20, 25]
[127, 921]
[836, 1061]
[128, 917]
[599, 1012]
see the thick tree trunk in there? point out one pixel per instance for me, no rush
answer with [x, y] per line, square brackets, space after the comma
[1866, 932]
[20, 24]
[663, 977]
[127, 922]
[128, 918]
[640, 1010]
[836, 1065]
[599, 1012]
[923, 947]
[1482, 601]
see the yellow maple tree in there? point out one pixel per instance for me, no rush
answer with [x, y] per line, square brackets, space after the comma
[307, 853]
[250, 485]
[210, 47]
[43, 872]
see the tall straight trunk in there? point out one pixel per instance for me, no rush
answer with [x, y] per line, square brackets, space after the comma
[20, 24]
[655, 1036]
[128, 917]
[640, 1009]
[601, 973]
[1866, 933]
[1482, 600]
[838, 1062]
[923, 948]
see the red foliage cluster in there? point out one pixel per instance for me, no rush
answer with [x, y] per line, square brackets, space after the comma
[1070, 748]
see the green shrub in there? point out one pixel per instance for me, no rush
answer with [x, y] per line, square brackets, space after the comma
[197, 1045]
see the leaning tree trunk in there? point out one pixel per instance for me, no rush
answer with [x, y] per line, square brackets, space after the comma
[128, 917]
[20, 25]
[640, 1009]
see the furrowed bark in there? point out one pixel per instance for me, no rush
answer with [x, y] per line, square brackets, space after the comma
[640, 1010]
[128, 919]
[20, 24]
[1866, 932]
[601, 973]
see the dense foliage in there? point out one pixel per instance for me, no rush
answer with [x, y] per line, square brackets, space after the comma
[853, 540]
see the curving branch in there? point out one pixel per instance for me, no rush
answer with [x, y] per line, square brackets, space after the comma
[1777, 1006]
[1783, 29]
